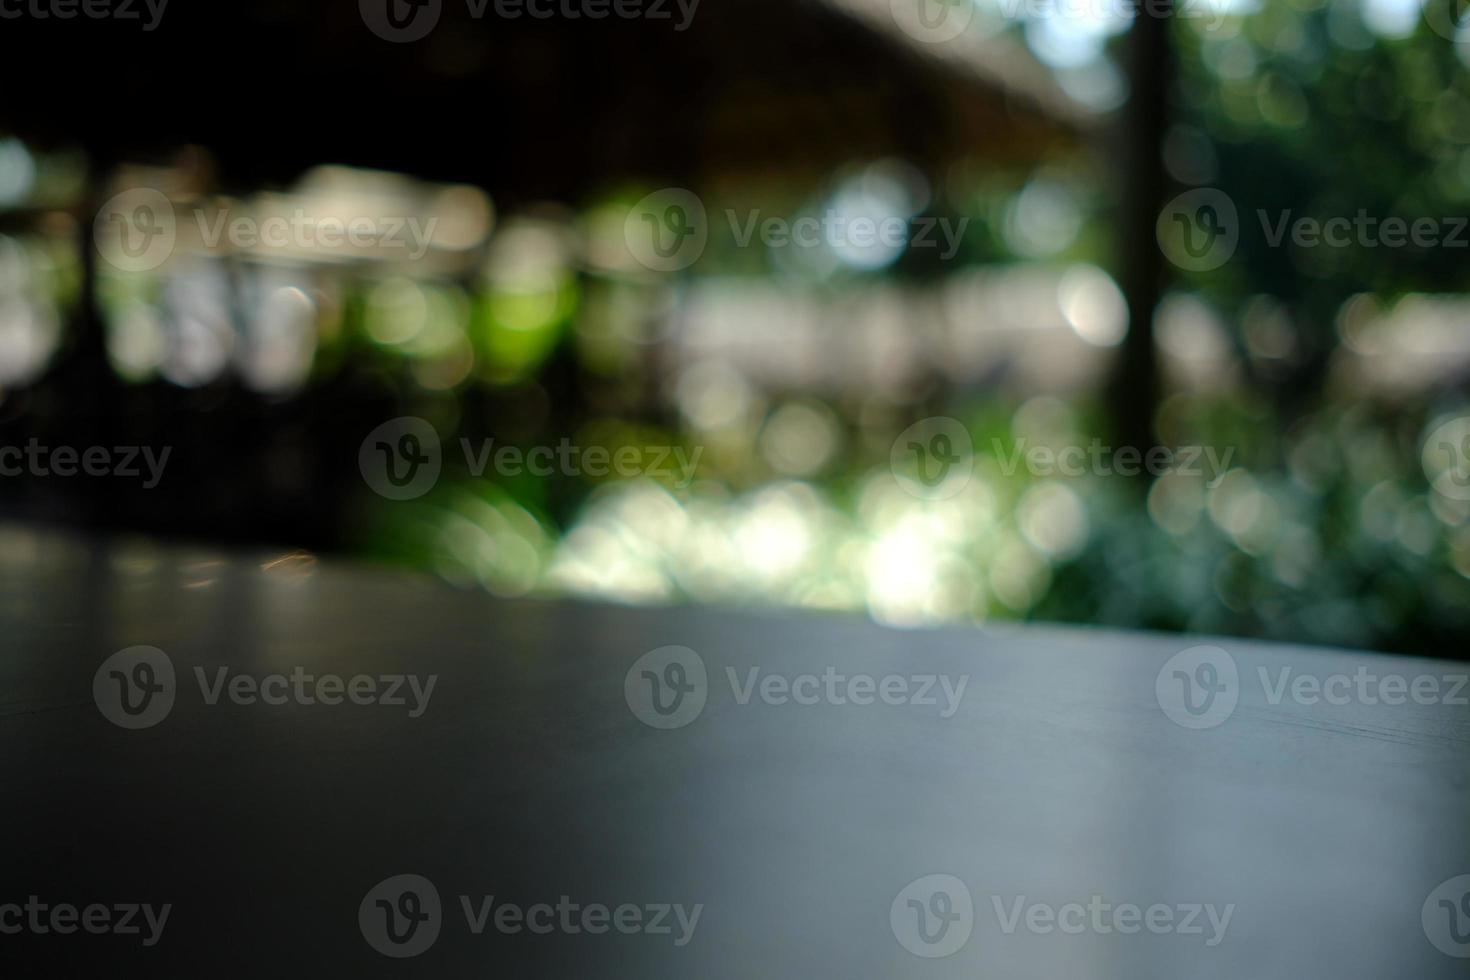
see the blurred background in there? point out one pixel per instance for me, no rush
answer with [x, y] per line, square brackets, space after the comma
[1046, 136]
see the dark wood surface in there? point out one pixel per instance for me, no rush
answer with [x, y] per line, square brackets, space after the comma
[528, 777]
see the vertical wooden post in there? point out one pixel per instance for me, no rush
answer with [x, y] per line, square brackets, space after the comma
[1143, 184]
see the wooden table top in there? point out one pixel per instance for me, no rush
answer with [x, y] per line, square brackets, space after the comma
[333, 771]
